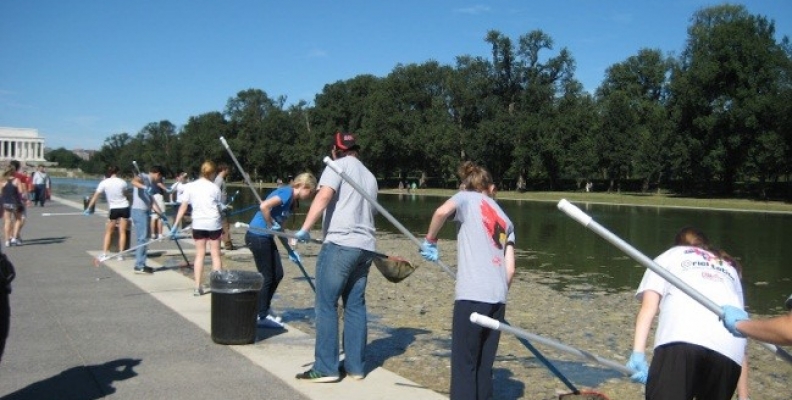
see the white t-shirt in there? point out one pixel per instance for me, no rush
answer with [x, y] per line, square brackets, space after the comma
[683, 319]
[178, 188]
[204, 197]
[114, 189]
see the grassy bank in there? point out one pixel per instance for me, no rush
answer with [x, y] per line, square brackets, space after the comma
[631, 199]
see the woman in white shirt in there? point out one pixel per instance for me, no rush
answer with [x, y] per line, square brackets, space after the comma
[203, 196]
[114, 189]
[694, 355]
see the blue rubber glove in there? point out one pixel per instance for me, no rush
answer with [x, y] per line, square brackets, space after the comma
[295, 257]
[429, 251]
[149, 190]
[276, 226]
[638, 364]
[87, 212]
[731, 316]
[302, 236]
[174, 231]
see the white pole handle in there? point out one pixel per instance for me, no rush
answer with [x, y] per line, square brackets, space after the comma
[488, 322]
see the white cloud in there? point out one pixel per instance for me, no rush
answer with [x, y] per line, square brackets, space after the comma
[317, 53]
[473, 10]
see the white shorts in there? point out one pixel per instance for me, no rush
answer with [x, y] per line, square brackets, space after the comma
[160, 200]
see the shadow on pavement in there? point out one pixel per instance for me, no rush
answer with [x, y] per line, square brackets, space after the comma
[83, 382]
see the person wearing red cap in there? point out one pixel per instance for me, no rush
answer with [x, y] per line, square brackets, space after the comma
[343, 263]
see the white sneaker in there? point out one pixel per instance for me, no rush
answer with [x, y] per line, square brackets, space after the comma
[7, 243]
[270, 322]
[16, 242]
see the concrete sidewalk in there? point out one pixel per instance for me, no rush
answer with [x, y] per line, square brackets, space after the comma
[85, 332]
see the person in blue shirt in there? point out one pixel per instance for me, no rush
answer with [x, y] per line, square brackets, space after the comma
[274, 211]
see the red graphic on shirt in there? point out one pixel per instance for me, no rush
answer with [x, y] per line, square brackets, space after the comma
[494, 224]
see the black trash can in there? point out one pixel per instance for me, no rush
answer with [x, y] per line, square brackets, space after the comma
[234, 305]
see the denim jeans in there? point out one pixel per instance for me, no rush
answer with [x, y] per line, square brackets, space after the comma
[268, 263]
[341, 272]
[140, 218]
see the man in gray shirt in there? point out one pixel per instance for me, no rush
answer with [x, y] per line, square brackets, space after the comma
[222, 173]
[343, 263]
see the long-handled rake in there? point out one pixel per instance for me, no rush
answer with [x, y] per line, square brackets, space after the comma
[175, 239]
[246, 177]
[394, 268]
[100, 260]
[584, 219]
[488, 322]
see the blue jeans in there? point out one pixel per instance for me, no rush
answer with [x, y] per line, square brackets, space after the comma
[140, 218]
[341, 272]
[268, 263]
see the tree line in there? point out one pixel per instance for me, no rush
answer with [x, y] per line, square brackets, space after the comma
[714, 120]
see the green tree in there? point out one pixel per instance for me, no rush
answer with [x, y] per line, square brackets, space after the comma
[199, 140]
[64, 158]
[723, 91]
[634, 133]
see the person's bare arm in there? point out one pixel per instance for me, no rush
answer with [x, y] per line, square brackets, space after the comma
[318, 206]
[643, 322]
[776, 330]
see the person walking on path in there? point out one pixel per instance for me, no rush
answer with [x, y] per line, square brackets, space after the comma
[204, 198]
[222, 172]
[142, 205]
[12, 204]
[114, 189]
[694, 356]
[41, 186]
[273, 213]
[486, 264]
[343, 263]
[24, 202]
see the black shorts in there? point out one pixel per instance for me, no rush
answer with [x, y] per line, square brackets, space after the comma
[116, 213]
[199, 234]
[684, 371]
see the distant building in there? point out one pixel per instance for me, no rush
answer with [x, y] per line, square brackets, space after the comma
[22, 144]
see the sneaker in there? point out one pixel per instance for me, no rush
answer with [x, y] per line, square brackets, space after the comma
[144, 270]
[198, 292]
[7, 243]
[270, 322]
[357, 377]
[119, 258]
[16, 242]
[313, 376]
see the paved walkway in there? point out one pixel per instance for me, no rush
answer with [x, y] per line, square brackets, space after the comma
[85, 332]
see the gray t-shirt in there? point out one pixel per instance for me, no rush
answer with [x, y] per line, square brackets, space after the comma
[483, 231]
[349, 218]
[140, 199]
[221, 183]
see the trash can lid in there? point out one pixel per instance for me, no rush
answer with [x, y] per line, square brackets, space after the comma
[235, 281]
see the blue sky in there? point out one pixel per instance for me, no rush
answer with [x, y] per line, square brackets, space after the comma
[80, 71]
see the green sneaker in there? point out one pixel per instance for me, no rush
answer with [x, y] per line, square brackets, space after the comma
[315, 377]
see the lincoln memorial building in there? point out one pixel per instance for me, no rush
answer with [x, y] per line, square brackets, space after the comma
[23, 144]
